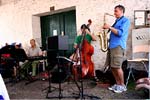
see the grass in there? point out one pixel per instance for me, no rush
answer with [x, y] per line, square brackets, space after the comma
[131, 85]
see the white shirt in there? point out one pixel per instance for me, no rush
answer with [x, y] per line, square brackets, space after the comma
[34, 51]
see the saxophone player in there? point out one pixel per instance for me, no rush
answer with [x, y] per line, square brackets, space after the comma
[117, 47]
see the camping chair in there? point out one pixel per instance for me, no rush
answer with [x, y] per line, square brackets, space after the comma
[140, 51]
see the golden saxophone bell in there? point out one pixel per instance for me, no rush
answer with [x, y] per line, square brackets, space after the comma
[103, 41]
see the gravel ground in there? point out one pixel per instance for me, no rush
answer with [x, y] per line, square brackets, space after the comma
[39, 90]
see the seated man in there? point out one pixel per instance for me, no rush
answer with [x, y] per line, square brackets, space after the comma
[20, 56]
[33, 51]
[7, 60]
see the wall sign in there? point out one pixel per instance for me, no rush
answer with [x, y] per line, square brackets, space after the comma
[141, 18]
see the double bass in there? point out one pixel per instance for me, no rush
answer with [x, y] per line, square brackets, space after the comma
[85, 53]
[87, 65]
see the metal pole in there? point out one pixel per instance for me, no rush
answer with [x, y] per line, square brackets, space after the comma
[149, 58]
[149, 51]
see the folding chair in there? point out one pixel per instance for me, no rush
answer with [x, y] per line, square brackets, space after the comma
[140, 51]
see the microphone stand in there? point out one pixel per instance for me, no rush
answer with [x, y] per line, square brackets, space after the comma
[149, 58]
[80, 68]
[49, 75]
[81, 90]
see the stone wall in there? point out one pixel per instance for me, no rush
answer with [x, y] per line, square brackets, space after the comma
[20, 19]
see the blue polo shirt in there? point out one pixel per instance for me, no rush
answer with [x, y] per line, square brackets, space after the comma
[122, 25]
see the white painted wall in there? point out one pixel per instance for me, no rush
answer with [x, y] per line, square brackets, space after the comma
[19, 21]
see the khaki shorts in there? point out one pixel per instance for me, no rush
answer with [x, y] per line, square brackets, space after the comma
[115, 57]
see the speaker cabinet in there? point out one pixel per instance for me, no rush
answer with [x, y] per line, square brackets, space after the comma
[58, 43]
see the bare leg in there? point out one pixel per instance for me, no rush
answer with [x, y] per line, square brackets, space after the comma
[14, 71]
[118, 74]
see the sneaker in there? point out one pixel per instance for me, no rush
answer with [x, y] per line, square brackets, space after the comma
[124, 88]
[120, 89]
[112, 87]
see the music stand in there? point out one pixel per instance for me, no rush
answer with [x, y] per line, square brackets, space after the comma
[57, 43]
[57, 39]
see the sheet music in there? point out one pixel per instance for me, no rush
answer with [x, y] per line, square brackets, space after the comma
[65, 58]
[74, 63]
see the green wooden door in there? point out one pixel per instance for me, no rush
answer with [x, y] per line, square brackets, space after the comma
[70, 28]
[62, 22]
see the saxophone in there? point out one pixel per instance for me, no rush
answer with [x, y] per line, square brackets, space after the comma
[103, 36]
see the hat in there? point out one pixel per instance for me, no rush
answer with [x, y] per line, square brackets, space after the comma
[18, 44]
